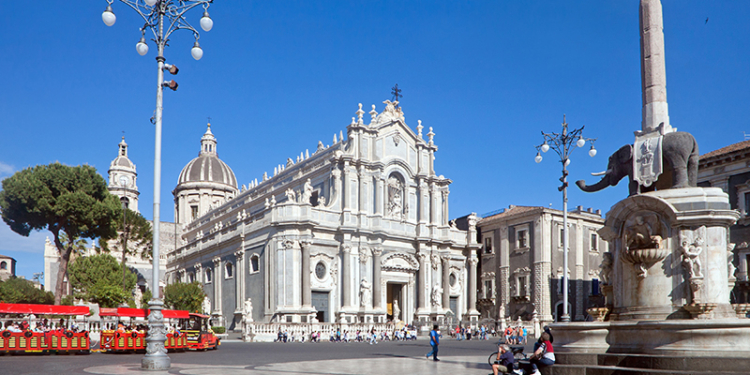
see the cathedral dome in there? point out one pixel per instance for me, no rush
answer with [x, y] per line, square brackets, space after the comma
[206, 182]
[207, 167]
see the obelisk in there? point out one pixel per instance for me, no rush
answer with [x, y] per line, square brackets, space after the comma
[653, 68]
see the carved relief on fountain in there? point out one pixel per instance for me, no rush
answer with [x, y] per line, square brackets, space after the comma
[642, 239]
[692, 242]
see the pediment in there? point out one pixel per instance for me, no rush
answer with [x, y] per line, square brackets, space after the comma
[401, 262]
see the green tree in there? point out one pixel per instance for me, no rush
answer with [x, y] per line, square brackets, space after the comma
[145, 298]
[184, 296]
[18, 290]
[98, 278]
[135, 239]
[64, 200]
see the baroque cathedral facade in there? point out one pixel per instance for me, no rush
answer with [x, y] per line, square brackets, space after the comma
[354, 232]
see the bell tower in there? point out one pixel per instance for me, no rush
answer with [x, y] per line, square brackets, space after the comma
[123, 177]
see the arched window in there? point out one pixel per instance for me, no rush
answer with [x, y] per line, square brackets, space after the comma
[229, 271]
[254, 266]
[209, 275]
[3, 265]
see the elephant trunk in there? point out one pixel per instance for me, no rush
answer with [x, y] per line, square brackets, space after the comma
[603, 183]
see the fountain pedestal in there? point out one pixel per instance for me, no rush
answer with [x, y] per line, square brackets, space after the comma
[670, 278]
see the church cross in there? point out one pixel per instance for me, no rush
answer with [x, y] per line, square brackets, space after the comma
[396, 93]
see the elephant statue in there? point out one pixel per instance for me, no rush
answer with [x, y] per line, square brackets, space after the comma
[680, 162]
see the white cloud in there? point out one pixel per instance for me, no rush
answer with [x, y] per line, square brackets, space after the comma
[6, 170]
[12, 241]
[27, 251]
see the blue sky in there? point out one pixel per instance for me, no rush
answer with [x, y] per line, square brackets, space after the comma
[278, 76]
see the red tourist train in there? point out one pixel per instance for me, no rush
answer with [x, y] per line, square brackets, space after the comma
[196, 336]
[21, 338]
[120, 339]
[199, 335]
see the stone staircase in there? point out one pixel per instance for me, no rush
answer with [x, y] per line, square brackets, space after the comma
[644, 364]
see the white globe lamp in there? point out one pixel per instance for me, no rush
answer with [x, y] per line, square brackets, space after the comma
[108, 16]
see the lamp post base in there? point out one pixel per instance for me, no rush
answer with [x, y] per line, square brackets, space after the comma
[156, 363]
[156, 354]
[565, 318]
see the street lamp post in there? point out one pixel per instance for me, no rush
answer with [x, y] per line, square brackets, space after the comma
[561, 143]
[124, 238]
[162, 18]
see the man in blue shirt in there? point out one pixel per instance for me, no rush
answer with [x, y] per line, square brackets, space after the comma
[504, 362]
[434, 341]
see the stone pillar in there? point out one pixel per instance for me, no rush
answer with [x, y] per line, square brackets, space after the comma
[239, 289]
[379, 195]
[306, 293]
[447, 283]
[336, 191]
[425, 199]
[345, 188]
[433, 204]
[217, 291]
[198, 276]
[362, 194]
[653, 68]
[216, 282]
[377, 298]
[346, 282]
[422, 284]
[445, 207]
[472, 291]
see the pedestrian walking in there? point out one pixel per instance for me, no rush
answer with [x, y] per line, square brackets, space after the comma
[373, 336]
[434, 341]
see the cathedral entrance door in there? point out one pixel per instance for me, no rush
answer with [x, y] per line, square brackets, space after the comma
[320, 302]
[395, 299]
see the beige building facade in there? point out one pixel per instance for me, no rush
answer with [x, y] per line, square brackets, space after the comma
[522, 263]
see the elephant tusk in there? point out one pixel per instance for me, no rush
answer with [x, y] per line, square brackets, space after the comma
[602, 173]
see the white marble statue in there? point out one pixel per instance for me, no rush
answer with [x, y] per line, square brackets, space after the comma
[364, 293]
[290, 196]
[307, 192]
[395, 198]
[247, 311]
[396, 311]
[691, 256]
[137, 297]
[206, 305]
[437, 296]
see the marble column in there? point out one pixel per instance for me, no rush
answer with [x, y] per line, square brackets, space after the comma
[424, 264]
[377, 298]
[472, 308]
[239, 288]
[446, 283]
[346, 188]
[217, 285]
[445, 207]
[306, 292]
[425, 199]
[346, 282]
[198, 276]
[433, 204]
[362, 193]
[379, 196]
